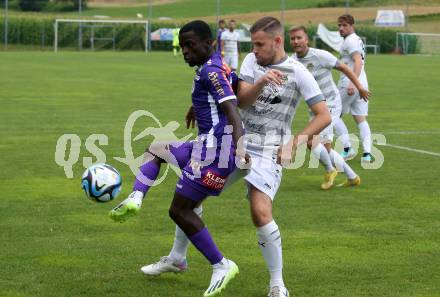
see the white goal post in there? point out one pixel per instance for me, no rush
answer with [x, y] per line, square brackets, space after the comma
[418, 43]
[101, 23]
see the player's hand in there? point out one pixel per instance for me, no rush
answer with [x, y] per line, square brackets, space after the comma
[190, 118]
[243, 160]
[286, 153]
[350, 90]
[364, 94]
[272, 76]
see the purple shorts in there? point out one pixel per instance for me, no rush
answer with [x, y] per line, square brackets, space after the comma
[204, 171]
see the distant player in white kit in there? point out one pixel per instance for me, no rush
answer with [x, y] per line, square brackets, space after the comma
[353, 55]
[320, 63]
[230, 46]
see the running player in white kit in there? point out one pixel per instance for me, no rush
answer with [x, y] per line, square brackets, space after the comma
[230, 46]
[353, 55]
[320, 63]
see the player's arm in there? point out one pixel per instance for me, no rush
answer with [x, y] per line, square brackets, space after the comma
[190, 118]
[230, 110]
[222, 48]
[364, 93]
[309, 89]
[321, 120]
[357, 68]
[248, 92]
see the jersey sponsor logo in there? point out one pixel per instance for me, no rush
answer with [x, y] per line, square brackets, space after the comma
[269, 97]
[213, 180]
[310, 67]
[213, 77]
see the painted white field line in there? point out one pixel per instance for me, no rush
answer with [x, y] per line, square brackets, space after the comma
[411, 132]
[412, 149]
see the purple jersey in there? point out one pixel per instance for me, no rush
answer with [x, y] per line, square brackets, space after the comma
[212, 86]
[219, 39]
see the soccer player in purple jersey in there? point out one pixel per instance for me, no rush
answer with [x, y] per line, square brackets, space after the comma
[215, 109]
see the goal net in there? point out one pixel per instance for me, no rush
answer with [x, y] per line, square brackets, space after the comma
[83, 34]
[418, 43]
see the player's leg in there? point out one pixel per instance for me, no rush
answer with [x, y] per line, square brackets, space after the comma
[320, 152]
[341, 130]
[234, 62]
[176, 259]
[359, 111]
[176, 153]
[341, 165]
[263, 182]
[182, 212]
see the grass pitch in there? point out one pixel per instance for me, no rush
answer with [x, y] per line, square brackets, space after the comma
[380, 239]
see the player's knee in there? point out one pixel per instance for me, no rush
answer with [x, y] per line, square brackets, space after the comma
[175, 213]
[261, 216]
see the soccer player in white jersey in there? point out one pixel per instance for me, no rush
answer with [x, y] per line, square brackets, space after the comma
[270, 89]
[353, 55]
[272, 84]
[320, 63]
[230, 46]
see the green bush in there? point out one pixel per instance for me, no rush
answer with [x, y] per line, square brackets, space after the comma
[32, 5]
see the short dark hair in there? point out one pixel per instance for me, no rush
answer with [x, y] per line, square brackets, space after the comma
[348, 18]
[222, 21]
[267, 24]
[298, 28]
[200, 28]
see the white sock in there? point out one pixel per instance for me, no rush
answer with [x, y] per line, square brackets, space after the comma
[269, 241]
[181, 241]
[342, 132]
[341, 165]
[321, 153]
[365, 132]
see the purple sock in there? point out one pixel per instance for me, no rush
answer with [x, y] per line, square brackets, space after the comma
[202, 240]
[146, 177]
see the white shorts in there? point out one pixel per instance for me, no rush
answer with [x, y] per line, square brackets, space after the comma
[265, 174]
[353, 105]
[231, 60]
[327, 133]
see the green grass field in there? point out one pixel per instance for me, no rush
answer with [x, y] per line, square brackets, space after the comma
[380, 239]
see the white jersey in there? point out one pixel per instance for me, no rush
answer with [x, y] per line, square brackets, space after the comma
[320, 63]
[270, 117]
[231, 42]
[352, 44]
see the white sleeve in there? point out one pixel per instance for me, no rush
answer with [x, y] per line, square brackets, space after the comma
[246, 69]
[326, 59]
[308, 87]
[354, 45]
[223, 37]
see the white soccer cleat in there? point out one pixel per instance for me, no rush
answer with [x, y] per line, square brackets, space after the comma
[127, 208]
[223, 273]
[278, 291]
[165, 264]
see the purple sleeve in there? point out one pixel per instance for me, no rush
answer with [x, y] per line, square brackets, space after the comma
[218, 84]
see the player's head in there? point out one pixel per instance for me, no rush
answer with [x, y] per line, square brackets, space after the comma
[346, 24]
[299, 40]
[195, 39]
[231, 25]
[221, 24]
[267, 40]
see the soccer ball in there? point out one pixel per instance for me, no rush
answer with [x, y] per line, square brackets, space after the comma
[101, 182]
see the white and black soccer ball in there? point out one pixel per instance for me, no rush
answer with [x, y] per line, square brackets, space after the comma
[101, 182]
